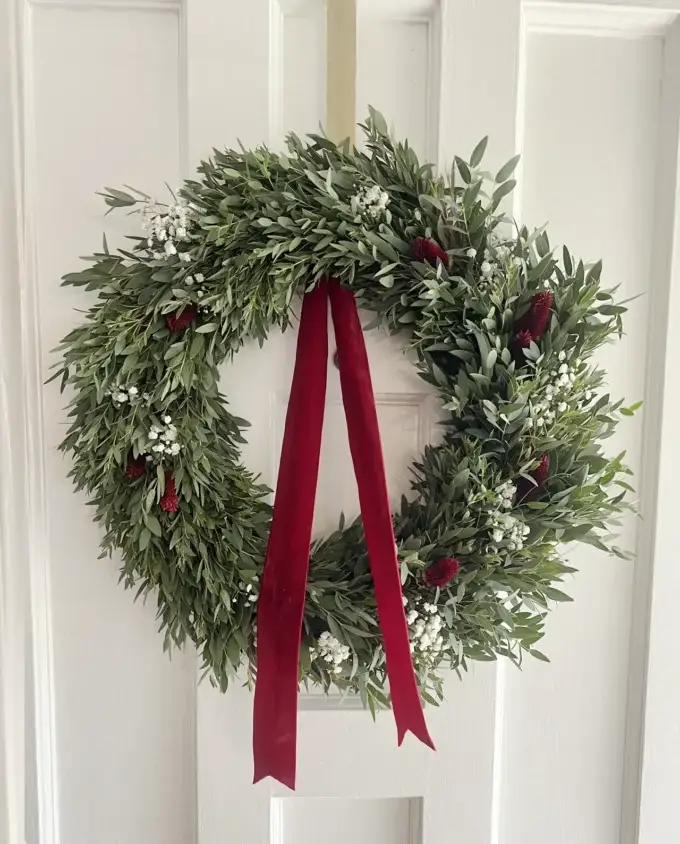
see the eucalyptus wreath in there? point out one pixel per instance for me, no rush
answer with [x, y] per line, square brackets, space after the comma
[500, 326]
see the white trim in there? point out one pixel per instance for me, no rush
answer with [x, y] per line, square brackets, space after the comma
[277, 827]
[309, 701]
[604, 20]
[415, 821]
[34, 524]
[108, 5]
[13, 580]
[658, 575]
[407, 10]
[276, 46]
[433, 84]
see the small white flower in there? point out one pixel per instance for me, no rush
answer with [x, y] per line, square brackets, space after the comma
[471, 253]
[167, 419]
[121, 397]
[170, 248]
[132, 391]
[153, 435]
[175, 448]
[563, 369]
[185, 256]
[189, 280]
[562, 355]
[486, 268]
[562, 406]
[200, 278]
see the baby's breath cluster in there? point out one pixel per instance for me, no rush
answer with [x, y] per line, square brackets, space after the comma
[330, 650]
[426, 630]
[371, 201]
[168, 229]
[162, 439]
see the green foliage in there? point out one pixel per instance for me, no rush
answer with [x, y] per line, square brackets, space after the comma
[263, 229]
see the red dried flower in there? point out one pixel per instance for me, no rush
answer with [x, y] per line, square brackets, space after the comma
[426, 249]
[170, 499]
[523, 339]
[541, 303]
[136, 467]
[526, 491]
[179, 320]
[441, 573]
[540, 473]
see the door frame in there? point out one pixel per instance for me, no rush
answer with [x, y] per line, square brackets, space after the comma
[652, 753]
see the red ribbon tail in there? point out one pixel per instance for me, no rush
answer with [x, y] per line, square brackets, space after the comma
[364, 440]
[284, 580]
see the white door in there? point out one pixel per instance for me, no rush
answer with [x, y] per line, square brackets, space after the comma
[136, 91]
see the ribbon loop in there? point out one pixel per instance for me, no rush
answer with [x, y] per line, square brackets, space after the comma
[281, 604]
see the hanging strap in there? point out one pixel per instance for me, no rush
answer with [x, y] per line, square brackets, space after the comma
[282, 596]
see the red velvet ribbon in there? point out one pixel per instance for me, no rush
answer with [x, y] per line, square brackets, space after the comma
[282, 596]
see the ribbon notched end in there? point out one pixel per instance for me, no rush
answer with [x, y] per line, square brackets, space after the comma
[420, 732]
[276, 772]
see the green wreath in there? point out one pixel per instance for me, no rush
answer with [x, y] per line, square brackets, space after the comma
[503, 331]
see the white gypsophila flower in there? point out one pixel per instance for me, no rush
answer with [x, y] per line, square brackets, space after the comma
[506, 492]
[426, 630]
[507, 529]
[123, 395]
[163, 438]
[252, 595]
[557, 393]
[330, 650]
[370, 201]
[471, 253]
[200, 278]
[167, 225]
[485, 268]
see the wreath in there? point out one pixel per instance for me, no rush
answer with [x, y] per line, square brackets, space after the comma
[504, 330]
